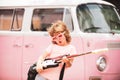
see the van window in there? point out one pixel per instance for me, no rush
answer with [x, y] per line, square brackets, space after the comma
[11, 19]
[42, 18]
[68, 19]
[98, 18]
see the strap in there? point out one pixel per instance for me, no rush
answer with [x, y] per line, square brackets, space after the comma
[32, 72]
[62, 72]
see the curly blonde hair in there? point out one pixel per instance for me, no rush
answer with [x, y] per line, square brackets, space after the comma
[63, 28]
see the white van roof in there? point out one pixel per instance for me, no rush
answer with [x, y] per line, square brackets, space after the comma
[48, 2]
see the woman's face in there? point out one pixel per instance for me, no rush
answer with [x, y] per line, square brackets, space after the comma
[59, 37]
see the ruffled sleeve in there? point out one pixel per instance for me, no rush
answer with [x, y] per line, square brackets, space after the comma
[49, 48]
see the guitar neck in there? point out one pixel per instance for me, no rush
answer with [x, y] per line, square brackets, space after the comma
[49, 62]
[76, 55]
[70, 56]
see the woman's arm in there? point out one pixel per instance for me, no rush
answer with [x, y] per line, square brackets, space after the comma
[39, 67]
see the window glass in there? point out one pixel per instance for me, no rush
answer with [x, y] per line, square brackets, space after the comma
[68, 19]
[11, 19]
[98, 18]
[43, 18]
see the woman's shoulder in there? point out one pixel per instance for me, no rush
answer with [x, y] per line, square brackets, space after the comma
[70, 45]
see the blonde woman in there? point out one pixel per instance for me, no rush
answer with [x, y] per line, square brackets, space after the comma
[60, 45]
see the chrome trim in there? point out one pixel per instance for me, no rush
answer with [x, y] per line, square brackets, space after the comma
[101, 63]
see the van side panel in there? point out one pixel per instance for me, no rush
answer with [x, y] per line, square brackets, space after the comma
[96, 41]
[10, 57]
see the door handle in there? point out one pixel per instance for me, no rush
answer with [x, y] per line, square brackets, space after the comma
[17, 45]
[29, 46]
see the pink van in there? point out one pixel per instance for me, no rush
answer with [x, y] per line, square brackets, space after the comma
[94, 24]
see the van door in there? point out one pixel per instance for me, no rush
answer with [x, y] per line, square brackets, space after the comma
[11, 42]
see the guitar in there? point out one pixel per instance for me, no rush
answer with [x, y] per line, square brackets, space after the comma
[54, 62]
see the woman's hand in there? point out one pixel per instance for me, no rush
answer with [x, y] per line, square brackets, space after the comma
[67, 61]
[39, 67]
